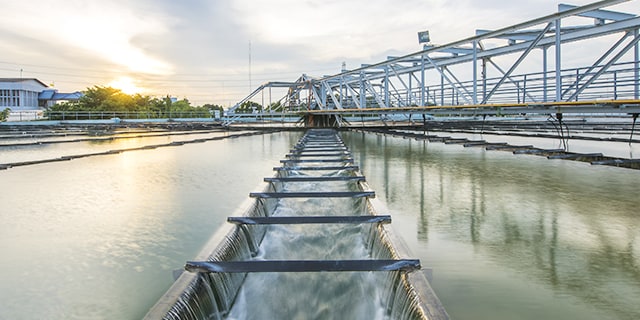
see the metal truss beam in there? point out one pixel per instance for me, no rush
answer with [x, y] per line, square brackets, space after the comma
[445, 77]
[596, 64]
[515, 83]
[399, 81]
[605, 67]
[499, 32]
[517, 63]
[599, 14]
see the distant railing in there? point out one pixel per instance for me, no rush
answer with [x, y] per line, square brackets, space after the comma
[103, 115]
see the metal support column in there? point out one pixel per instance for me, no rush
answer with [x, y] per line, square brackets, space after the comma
[636, 71]
[341, 97]
[475, 73]
[441, 89]
[558, 62]
[387, 98]
[363, 91]
[422, 86]
[544, 74]
[409, 100]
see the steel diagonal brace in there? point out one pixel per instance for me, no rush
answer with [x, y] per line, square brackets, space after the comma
[369, 87]
[404, 84]
[318, 99]
[427, 95]
[605, 67]
[354, 94]
[596, 64]
[440, 71]
[459, 84]
[533, 44]
[330, 90]
[531, 98]
[397, 95]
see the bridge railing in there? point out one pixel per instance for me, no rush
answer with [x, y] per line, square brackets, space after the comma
[100, 115]
[617, 83]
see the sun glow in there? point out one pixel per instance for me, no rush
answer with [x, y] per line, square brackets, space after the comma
[126, 85]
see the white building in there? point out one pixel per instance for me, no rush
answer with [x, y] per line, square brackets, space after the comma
[20, 94]
[28, 97]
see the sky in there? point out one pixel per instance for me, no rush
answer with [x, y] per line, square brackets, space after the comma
[218, 51]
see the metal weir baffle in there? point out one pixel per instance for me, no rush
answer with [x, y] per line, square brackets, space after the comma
[319, 146]
[315, 149]
[346, 194]
[310, 219]
[302, 265]
[314, 179]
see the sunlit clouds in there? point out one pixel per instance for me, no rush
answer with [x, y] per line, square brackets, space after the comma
[219, 51]
[126, 85]
[103, 29]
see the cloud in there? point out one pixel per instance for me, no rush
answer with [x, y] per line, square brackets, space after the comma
[200, 48]
[103, 29]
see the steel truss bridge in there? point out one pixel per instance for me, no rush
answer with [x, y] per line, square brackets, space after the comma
[484, 74]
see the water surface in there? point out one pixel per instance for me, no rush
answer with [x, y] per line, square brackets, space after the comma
[512, 236]
[99, 237]
[508, 236]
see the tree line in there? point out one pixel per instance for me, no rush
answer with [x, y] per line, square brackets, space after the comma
[111, 100]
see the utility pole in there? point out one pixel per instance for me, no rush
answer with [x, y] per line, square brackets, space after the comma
[250, 85]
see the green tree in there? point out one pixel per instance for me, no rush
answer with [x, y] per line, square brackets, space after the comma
[4, 115]
[103, 99]
[276, 107]
[249, 107]
[212, 108]
[108, 99]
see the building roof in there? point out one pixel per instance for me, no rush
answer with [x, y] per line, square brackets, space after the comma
[52, 94]
[23, 80]
[46, 94]
[67, 96]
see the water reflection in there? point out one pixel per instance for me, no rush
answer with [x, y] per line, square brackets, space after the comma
[98, 237]
[569, 230]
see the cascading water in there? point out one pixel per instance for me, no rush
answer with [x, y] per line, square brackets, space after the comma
[304, 295]
[350, 295]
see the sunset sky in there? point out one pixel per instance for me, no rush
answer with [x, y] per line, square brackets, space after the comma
[200, 49]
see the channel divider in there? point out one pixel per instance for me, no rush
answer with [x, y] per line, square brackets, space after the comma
[348, 160]
[337, 194]
[330, 168]
[314, 178]
[311, 219]
[302, 265]
[335, 154]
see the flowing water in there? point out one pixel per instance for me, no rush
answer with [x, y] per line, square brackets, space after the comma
[348, 295]
[508, 236]
[318, 295]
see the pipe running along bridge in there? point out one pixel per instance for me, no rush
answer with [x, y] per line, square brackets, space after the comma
[593, 51]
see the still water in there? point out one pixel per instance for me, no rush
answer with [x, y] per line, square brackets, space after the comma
[512, 237]
[508, 237]
[99, 237]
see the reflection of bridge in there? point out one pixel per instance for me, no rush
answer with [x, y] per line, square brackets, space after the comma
[452, 189]
[478, 75]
